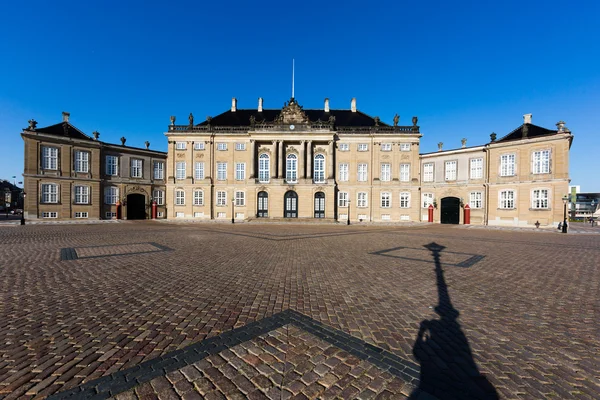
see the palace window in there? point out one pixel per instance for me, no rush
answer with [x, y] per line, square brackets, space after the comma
[385, 172]
[291, 168]
[539, 199]
[404, 146]
[363, 173]
[82, 194]
[198, 145]
[49, 193]
[361, 199]
[159, 197]
[180, 145]
[342, 199]
[363, 147]
[428, 172]
[507, 199]
[264, 169]
[112, 165]
[221, 198]
[404, 172]
[476, 168]
[82, 161]
[179, 197]
[240, 199]
[111, 195]
[386, 199]
[386, 147]
[404, 200]
[319, 168]
[159, 170]
[343, 172]
[52, 214]
[540, 162]
[476, 199]
[49, 157]
[180, 170]
[199, 170]
[221, 146]
[450, 171]
[240, 171]
[136, 168]
[240, 146]
[81, 214]
[507, 164]
[427, 200]
[198, 197]
[221, 171]
[344, 147]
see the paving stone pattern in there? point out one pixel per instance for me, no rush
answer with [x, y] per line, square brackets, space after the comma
[527, 310]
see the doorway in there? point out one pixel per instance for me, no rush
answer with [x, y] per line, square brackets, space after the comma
[450, 213]
[263, 205]
[291, 205]
[136, 206]
[319, 205]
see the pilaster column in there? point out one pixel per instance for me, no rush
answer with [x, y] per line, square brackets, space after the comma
[330, 166]
[301, 163]
[280, 157]
[273, 161]
[252, 158]
[309, 160]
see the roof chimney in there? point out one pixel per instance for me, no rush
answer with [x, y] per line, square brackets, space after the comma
[233, 104]
[527, 118]
[326, 104]
[66, 116]
[260, 103]
[353, 104]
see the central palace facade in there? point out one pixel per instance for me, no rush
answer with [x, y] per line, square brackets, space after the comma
[300, 164]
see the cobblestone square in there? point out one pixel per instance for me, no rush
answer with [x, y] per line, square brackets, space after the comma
[206, 310]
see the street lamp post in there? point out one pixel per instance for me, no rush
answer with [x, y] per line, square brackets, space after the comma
[348, 221]
[565, 200]
[6, 200]
[232, 211]
[593, 211]
[23, 210]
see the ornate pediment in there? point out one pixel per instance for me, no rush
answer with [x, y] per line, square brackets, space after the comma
[292, 113]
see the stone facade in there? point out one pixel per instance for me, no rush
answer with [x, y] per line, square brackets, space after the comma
[66, 176]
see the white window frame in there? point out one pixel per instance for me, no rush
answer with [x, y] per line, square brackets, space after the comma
[81, 194]
[404, 199]
[450, 170]
[82, 161]
[342, 199]
[540, 199]
[404, 146]
[386, 147]
[159, 197]
[363, 172]
[221, 198]
[180, 168]
[49, 158]
[159, 170]
[363, 147]
[240, 198]
[240, 146]
[179, 197]
[111, 195]
[385, 200]
[264, 168]
[476, 168]
[291, 168]
[222, 146]
[198, 145]
[51, 214]
[221, 171]
[81, 214]
[344, 172]
[476, 200]
[137, 171]
[386, 172]
[426, 200]
[344, 147]
[199, 170]
[404, 172]
[180, 145]
[50, 193]
[362, 199]
[428, 172]
[540, 162]
[110, 215]
[507, 199]
[319, 168]
[198, 197]
[240, 171]
[508, 164]
[112, 165]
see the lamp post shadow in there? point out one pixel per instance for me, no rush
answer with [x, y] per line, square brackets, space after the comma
[448, 370]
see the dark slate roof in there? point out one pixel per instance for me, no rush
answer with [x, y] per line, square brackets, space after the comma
[64, 129]
[532, 131]
[241, 117]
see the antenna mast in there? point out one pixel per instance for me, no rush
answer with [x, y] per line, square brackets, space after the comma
[293, 67]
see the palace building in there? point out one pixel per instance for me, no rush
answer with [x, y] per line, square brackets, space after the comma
[299, 164]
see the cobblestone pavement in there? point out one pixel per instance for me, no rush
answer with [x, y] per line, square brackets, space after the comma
[479, 313]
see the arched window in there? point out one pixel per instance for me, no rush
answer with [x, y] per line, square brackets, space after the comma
[179, 197]
[319, 168]
[291, 168]
[264, 169]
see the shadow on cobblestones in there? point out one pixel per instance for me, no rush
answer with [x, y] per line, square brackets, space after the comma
[448, 370]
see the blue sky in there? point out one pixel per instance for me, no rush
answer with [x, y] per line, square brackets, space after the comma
[466, 68]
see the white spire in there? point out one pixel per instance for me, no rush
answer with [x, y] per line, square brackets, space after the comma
[293, 67]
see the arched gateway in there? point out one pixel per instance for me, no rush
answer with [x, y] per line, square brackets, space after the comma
[290, 204]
